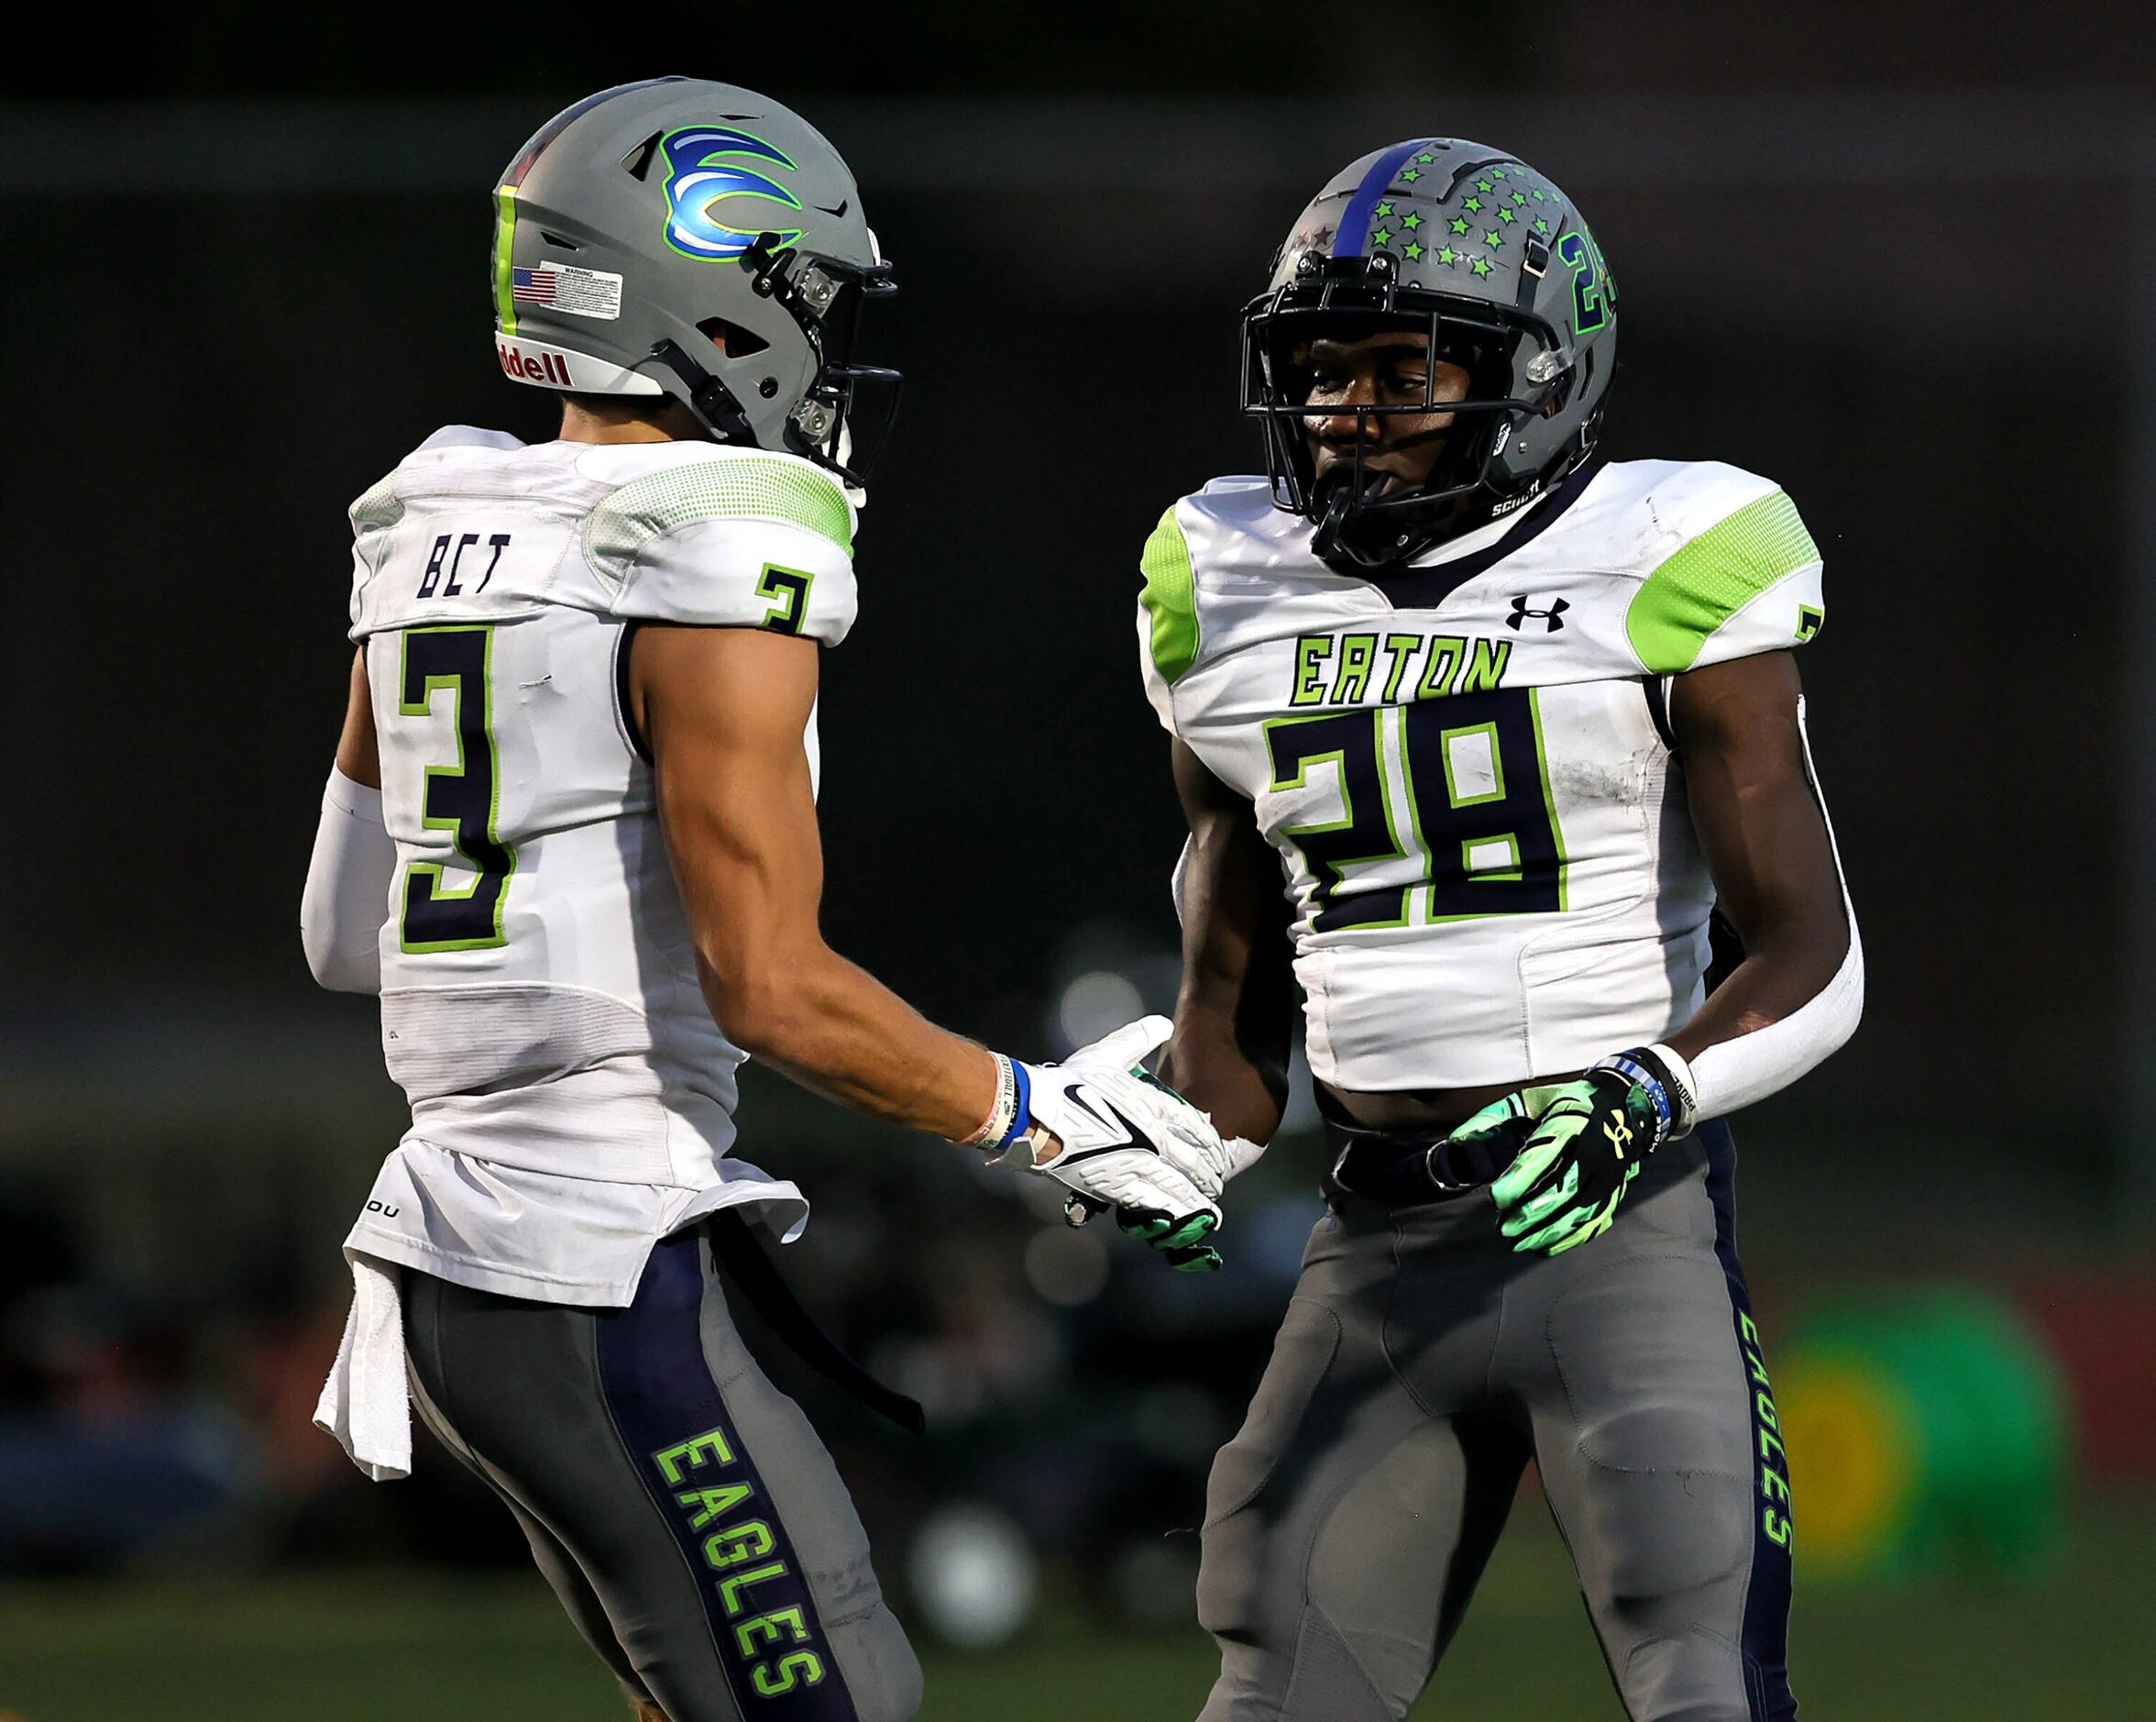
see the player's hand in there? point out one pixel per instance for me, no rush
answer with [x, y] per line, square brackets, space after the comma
[1124, 1140]
[1579, 1146]
[1146, 1224]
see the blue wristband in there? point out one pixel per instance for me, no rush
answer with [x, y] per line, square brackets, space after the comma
[1021, 1107]
[1645, 1072]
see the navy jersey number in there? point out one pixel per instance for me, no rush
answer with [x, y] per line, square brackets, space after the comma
[1474, 802]
[1592, 291]
[1366, 833]
[789, 586]
[464, 797]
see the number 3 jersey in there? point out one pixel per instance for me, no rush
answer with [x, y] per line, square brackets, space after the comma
[1466, 765]
[572, 1097]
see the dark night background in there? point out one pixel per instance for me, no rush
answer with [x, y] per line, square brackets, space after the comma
[1892, 256]
[1914, 306]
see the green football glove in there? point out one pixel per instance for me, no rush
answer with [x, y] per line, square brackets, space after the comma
[1185, 1245]
[1581, 1144]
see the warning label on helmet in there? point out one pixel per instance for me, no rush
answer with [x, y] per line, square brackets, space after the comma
[581, 293]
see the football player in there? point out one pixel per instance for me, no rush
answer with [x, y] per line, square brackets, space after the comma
[571, 841]
[1509, 723]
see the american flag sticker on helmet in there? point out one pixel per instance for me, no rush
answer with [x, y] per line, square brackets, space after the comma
[581, 293]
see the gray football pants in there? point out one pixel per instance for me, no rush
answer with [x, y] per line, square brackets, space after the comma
[681, 1507]
[1422, 1362]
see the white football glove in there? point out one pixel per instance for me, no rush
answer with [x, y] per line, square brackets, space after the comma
[1132, 1144]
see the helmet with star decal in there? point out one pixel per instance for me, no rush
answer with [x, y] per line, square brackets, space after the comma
[1496, 264]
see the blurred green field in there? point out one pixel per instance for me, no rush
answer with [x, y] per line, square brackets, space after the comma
[428, 1648]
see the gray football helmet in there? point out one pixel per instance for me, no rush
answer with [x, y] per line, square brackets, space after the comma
[1495, 262]
[696, 240]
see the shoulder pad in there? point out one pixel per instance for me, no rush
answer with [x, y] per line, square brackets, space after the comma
[1745, 578]
[378, 507]
[376, 510]
[728, 537]
[468, 437]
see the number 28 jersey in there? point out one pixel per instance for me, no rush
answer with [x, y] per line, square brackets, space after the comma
[1466, 765]
[572, 1097]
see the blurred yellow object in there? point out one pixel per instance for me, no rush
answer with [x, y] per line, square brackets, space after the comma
[1927, 1429]
[1848, 1427]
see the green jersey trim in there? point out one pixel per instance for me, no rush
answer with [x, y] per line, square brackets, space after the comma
[1692, 593]
[1170, 600]
[742, 487]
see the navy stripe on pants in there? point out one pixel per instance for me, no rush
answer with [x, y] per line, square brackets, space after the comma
[1765, 1638]
[659, 1391]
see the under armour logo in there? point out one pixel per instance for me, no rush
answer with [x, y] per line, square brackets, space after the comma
[1617, 1129]
[1551, 619]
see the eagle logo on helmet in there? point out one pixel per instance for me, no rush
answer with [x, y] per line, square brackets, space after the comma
[698, 183]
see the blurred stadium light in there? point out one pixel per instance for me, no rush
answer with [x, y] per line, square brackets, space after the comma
[973, 1575]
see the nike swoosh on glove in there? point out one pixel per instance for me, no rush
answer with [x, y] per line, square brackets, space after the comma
[1132, 1144]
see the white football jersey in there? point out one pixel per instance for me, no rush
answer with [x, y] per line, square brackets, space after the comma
[1466, 765]
[572, 1097]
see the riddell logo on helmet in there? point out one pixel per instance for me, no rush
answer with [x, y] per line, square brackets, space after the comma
[532, 367]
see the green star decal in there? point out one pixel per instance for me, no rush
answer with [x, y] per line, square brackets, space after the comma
[1505, 215]
[1448, 256]
[1413, 221]
[1483, 186]
[1458, 224]
[1494, 240]
[1382, 237]
[1540, 225]
[1482, 265]
[1412, 175]
[1425, 158]
[1414, 250]
[1540, 198]
[1497, 173]
[1381, 211]
[1472, 202]
[1519, 197]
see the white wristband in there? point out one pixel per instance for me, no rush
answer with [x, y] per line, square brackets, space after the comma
[996, 1128]
[1685, 1101]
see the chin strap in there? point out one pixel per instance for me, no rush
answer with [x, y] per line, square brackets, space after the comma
[1326, 542]
[1339, 508]
[710, 400]
[1409, 524]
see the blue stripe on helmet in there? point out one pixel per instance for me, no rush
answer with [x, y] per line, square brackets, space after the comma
[1353, 240]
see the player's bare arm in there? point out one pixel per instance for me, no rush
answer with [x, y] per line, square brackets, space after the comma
[1236, 1008]
[358, 756]
[1765, 839]
[723, 711]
